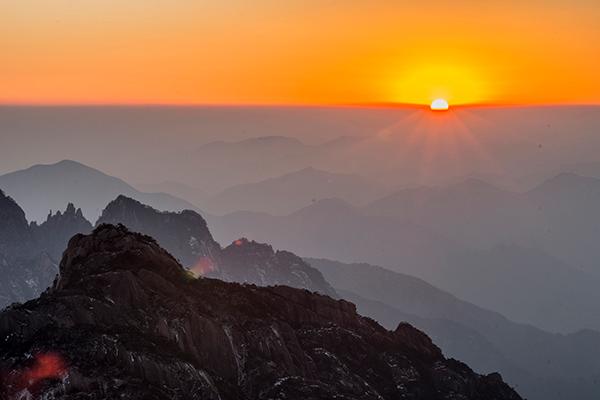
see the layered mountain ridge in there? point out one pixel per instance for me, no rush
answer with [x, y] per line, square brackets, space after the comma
[30, 252]
[186, 235]
[44, 187]
[540, 364]
[531, 256]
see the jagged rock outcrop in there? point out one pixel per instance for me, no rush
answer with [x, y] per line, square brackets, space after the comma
[252, 262]
[187, 237]
[54, 234]
[125, 320]
[29, 254]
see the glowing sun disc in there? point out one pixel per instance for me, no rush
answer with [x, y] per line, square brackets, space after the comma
[439, 105]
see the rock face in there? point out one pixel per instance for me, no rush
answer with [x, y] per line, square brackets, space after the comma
[251, 262]
[29, 254]
[125, 320]
[24, 279]
[25, 271]
[186, 236]
[15, 236]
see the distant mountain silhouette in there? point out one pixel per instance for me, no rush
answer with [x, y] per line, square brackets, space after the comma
[141, 144]
[591, 169]
[560, 216]
[188, 193]
[542, 365]
[290, 192]
[472, 211]
[332, 228]
[525, 284]
[220, 165]
[465, 238]
[52, 187]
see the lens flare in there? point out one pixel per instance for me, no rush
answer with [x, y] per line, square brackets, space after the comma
[203, 266]
[28, 380]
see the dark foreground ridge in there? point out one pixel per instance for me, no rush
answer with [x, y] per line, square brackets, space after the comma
[125, 320]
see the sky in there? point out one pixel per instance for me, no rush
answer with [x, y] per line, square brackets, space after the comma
[299, 52]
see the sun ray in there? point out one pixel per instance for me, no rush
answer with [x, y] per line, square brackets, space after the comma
[437, 147]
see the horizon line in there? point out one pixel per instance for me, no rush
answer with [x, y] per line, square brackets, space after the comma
[382, 105]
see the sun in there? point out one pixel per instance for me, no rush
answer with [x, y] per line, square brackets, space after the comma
[439, 105]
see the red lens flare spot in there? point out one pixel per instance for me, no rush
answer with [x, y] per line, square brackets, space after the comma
[203, 266]
[46, 366]
[43, 366]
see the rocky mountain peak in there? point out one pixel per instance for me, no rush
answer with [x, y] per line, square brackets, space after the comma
[187, 237]
[110, 248]
[70, 213]
[417, 340]
[15, 237]
[243, 246]
[249, 261]
[10, 212]
[124, 320]
[184, 233]
[70, 209]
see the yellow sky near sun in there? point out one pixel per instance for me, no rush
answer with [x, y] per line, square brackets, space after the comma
[299, 52]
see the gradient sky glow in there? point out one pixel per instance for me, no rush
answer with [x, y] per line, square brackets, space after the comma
[299, 52]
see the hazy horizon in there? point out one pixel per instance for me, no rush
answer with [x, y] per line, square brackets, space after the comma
[136, 142]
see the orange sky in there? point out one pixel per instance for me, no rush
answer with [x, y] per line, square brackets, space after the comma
[299, 52]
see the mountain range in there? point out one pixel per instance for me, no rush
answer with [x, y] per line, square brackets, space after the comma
[292, 191]
[499, 262]
[518, 146]
[470, 238]
[29, 253]
[221, 164]
[542, 365]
